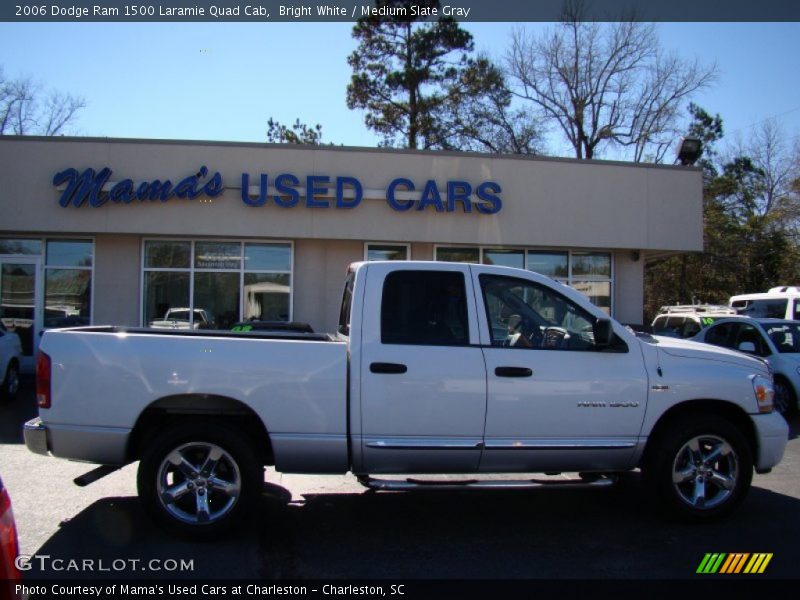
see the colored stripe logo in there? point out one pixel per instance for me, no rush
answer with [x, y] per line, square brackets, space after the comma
[734, 563]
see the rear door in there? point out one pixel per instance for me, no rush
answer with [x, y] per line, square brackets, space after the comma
[423, 378]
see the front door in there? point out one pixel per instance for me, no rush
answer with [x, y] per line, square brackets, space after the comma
[20, 303]
[555, 400]
[423, 380]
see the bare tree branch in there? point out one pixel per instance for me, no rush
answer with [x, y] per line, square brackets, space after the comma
[25, 109]
[604, 84]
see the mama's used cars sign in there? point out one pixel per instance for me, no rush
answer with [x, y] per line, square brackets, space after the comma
[285, 190]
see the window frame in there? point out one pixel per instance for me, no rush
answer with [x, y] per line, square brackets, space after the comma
[191, 270]
[43, 266]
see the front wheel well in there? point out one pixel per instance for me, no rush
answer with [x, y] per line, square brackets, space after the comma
[692, 408]
[174, 410]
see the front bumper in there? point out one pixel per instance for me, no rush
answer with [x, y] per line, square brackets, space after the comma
[36, 439]
[772, 435]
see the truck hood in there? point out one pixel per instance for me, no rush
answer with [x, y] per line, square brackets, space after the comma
[690, 349]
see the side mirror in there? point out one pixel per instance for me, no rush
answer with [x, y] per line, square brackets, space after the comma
[603, 332]
[749, 347]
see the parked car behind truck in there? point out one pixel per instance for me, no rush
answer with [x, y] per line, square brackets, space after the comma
[782, 302]
[435, 368]
[776, 341]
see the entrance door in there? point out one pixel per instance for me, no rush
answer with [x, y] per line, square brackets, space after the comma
[20, 301]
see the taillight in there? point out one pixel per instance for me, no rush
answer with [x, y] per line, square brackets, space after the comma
[43, 380]
[9, 547]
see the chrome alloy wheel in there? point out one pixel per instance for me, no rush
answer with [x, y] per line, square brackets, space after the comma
[705, 471]
[198, 483]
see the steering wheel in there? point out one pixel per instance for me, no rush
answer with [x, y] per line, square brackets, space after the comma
[554, 337]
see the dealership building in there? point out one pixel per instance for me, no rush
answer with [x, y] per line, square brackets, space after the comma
[133, 232]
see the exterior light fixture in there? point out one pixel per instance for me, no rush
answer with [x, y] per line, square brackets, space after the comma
[690, 150]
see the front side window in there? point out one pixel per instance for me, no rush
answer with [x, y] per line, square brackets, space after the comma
[524, 314]
[748, 334]
[424, 307]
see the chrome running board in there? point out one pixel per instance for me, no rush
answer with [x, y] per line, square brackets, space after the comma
[397, 485]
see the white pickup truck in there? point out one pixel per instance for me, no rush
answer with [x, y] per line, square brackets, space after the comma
[436, 368]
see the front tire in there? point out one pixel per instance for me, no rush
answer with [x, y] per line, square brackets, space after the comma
[701, 468]
[199, 480]
[785, 398]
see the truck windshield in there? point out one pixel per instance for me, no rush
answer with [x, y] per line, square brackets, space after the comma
[347, 302]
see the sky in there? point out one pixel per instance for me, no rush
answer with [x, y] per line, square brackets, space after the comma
[223, 81]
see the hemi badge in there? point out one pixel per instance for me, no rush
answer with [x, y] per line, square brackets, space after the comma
[659, 388]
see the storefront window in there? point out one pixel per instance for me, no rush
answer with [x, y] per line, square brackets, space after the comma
[68, 283]
[552, 264]
[217, 255]
[176, 255]
[266, 296]
[267, 257]
[20, 246]
[458, 254]
[386, 252]
[504, 258]
[212, 285]
[587, 272]
[69, 253]
[599, 292]
[164, 290]
[591, 265]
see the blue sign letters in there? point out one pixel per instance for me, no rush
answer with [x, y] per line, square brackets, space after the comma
[316, 191]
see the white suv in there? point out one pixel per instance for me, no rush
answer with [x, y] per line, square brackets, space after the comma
[778, 303]
[687, 320]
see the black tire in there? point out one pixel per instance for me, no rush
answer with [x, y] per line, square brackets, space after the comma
[10, 385]
[194, 499]
[686, 477]
[785, 398]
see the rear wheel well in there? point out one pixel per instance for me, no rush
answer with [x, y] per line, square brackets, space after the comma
[720, 408]
[174, 410]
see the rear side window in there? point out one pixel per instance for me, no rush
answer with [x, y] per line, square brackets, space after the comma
[425, 308]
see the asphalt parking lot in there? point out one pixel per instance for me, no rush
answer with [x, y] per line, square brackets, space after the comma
[333, 528]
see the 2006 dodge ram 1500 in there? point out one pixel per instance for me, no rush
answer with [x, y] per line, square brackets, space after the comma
[435, 368]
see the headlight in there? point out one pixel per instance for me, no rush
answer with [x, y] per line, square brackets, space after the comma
[765, 393]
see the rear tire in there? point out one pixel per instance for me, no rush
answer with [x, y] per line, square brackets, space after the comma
[701, 468]
[199, 480]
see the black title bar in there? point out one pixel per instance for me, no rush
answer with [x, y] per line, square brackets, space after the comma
[264, 11]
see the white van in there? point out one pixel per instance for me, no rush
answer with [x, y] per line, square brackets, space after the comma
[778, 303]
